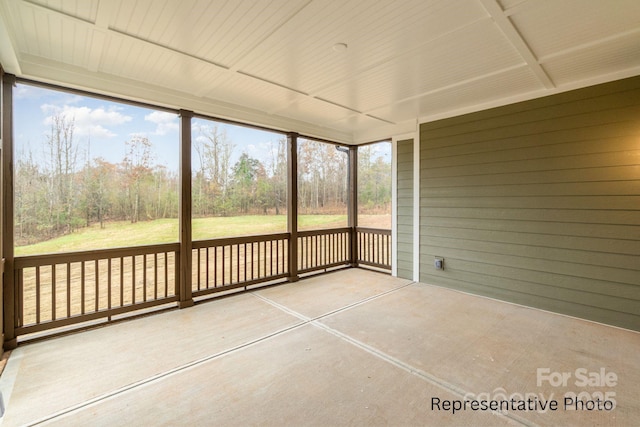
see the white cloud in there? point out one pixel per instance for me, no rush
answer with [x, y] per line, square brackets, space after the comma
[24, 92]
[166, 122]
[91, 122]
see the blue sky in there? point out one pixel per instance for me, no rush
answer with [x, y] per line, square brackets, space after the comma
[102, 128]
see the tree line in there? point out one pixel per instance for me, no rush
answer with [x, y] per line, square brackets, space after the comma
[64, 189]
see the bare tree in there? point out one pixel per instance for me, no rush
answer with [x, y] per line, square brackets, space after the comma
[60, 162]
[214, 152]
[137, 167]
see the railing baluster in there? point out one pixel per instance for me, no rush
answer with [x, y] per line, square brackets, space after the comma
[371, 247]
[368, 244]
[176, 272]
[53, 292]
[252, 264]
[277, 256]
[223, 263]
[324, 246]
[19, 315]
[270, 259]
[109, 284]
[215, 267]
[155, 275]
[245, 262]
[121, 281]
[363, 241]
[96, 273]
[231, 264]
[82, 284]
[206, 267]
[133, 279]
[285, 244]
[166, 274]
[237, 263]
[265, 272]
[68, 289]
[198, 267]
[37, 294]
[334, 258]
[258, 258]
[387, 245]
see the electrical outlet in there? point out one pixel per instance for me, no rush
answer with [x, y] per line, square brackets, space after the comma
[438, 263]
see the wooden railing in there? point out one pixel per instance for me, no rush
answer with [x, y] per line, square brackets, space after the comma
[223, 264]
[62, 289]
[374, 247]
[322, 249]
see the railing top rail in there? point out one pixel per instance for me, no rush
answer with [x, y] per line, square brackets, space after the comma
[198, 244]
[78, 256]
[323, 231]
[383, 231]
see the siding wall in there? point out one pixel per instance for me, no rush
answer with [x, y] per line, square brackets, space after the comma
[538, 203]
[405, 208]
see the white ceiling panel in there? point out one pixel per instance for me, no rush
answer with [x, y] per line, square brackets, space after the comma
[429, 67]
[221, 32]
[239, 89]
[300, 54]
[509, 4]
[483, 92]
[135, 59]
[401, 111]
[552, 26]
[323, 112]
[600, 59]
[271, 62]
[85, 10]
[461, 98]
[359, 121]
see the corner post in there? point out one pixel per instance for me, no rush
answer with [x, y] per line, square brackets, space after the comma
[352, 211]
[8, 280]
[292, 204]
[184, 289]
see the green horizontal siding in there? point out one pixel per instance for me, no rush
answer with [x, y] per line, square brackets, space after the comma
[538, 203]
[405, 208]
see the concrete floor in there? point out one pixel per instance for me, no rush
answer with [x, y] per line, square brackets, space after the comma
[352, 347]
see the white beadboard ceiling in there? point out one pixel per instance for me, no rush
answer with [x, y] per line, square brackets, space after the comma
[272, 62]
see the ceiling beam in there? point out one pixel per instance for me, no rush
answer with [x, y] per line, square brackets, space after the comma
[515, 38]
[98, 40]
[632, 33]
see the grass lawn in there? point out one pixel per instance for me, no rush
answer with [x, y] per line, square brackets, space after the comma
[123, 233]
